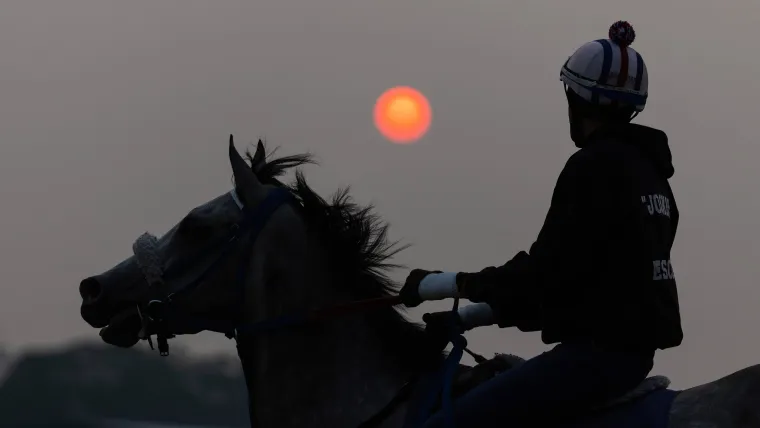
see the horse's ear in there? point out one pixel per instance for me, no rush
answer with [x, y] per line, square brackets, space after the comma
[259, 159]
[248, 187]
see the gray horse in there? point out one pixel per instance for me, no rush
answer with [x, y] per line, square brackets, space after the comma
[255, 263]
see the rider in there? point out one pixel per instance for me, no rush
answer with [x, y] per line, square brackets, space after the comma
[598, 281]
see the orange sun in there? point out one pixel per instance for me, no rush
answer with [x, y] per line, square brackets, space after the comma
[402, 115]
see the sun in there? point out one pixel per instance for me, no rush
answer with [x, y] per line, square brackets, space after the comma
[402, 115]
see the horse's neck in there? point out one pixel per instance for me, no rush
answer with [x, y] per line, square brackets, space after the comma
[334, 373]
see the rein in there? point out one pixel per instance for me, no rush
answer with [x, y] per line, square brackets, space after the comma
[319, 314]
[156, 313]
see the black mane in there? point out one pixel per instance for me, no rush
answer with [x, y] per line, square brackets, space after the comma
[357, 244]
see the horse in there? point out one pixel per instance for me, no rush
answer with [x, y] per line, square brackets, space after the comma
[300, 283]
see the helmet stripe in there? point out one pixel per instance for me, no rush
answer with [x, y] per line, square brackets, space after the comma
[623, 74]
[606, 64]
[639, 72]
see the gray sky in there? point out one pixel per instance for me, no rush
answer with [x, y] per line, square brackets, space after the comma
[114, 118]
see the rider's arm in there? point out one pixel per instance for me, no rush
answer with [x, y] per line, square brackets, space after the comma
[511, 291]
[576, 216]
[503, 295]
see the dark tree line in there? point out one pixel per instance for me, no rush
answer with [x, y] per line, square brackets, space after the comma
[81, 385]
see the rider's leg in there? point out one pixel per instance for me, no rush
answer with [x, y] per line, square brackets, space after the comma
[555, 385]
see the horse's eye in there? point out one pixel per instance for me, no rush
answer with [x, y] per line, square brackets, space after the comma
[195, 228]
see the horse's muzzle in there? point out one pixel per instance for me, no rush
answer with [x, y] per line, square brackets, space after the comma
[123, 330]
[93, 309]
[106, 295]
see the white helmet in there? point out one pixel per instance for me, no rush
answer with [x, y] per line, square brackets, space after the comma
[608, 72]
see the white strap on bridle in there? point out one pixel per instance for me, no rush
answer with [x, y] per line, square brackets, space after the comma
[145, 249]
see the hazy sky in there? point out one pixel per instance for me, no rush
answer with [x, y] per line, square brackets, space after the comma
[114, 119]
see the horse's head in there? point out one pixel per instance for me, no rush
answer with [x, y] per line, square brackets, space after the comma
[185, 281]
[264, 253]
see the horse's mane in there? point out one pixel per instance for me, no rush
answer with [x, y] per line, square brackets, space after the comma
[357, 245]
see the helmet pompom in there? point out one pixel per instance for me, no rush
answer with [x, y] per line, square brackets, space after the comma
[622, 33]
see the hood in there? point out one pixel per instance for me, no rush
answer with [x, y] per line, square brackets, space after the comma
[652, 143]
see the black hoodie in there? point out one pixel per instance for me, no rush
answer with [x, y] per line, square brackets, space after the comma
[600, 268]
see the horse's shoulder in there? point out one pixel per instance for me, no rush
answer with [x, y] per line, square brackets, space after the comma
[729, 402]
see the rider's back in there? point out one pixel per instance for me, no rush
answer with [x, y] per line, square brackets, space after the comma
[615, 285]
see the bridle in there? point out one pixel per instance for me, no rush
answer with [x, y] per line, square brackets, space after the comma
[156, 313]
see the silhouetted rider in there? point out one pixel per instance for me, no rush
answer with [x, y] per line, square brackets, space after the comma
[598, 280]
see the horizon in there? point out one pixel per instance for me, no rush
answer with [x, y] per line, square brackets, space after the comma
[115, 119]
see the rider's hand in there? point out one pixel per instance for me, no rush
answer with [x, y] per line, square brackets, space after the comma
[441, 322]
[439, 330]
[410, 292]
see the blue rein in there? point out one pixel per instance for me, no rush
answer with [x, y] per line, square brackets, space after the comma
[443, 384]
[450, 366]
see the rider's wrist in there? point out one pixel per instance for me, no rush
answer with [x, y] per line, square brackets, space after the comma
[438, 286]
[476, 315]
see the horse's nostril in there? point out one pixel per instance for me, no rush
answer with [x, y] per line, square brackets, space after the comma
[90, 289]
